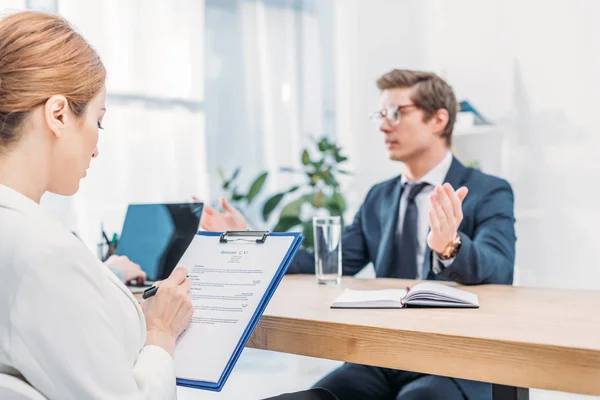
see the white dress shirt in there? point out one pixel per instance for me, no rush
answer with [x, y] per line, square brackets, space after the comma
[434, 177]
[68, 326]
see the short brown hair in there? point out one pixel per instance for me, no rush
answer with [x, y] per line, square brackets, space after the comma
[431, 94]
[41, 55]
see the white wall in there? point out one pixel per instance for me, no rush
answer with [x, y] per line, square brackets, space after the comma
[369, 42]
[8, 6]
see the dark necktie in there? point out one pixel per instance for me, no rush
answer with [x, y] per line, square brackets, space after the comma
[406, 253]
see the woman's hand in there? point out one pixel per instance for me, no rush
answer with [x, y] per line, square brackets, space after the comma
[130, 269]
[169, 311]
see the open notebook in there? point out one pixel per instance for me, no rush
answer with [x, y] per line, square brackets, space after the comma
[424, 294]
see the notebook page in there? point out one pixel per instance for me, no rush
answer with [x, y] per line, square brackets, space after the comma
[439, 303]
[432, 291]
[370, 297]
[228, 282]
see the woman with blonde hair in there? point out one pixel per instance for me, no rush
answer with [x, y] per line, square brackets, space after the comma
[68, 326]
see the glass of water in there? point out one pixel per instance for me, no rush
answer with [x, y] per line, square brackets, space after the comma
[328, 249]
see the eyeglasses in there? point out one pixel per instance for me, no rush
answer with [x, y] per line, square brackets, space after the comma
[391, 113]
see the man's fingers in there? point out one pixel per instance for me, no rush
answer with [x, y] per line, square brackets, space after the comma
[439, 212]
[206, 225]
[446, 204]
[208, 216]
[462, 193]
[225, 205]
[433, 222]
[455, 201]
[209, 210]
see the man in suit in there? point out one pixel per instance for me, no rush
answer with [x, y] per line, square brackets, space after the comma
[417, 226]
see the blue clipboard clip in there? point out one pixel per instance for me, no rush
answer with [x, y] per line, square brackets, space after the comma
[247, 236]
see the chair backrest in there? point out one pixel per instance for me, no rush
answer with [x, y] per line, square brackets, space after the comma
[13, 388]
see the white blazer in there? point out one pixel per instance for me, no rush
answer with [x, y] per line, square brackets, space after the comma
[68, 326]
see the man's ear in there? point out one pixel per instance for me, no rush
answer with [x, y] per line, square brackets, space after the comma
[56, 112]
[439, 120]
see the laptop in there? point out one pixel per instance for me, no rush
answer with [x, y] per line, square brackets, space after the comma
[155, 236]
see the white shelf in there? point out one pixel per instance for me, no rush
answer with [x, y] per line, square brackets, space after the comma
[475, 130]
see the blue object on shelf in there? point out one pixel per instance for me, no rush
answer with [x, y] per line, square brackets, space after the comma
[465, 106]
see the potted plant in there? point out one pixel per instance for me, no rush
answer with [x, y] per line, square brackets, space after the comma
[294, 208]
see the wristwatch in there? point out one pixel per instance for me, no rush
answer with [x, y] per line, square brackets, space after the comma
[451, 249]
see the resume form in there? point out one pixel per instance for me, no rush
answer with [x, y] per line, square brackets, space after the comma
[229, 282]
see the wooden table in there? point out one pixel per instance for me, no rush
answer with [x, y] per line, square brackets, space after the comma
[521, 337]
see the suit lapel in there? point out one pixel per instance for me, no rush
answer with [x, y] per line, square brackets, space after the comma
[391, 208]
[456, 176]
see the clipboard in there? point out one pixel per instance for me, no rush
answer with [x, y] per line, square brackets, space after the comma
[250, 238]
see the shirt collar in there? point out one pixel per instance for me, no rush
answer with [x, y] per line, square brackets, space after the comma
[10, 198]
[16, 201]
[436, 175]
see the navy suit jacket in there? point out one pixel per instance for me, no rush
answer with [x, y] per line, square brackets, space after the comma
[487, 253]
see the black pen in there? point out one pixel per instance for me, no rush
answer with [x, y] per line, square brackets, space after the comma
[149, 292]
[105, 237]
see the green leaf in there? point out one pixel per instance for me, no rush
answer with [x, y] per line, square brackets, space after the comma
[221, 175]
[293, 189]
[323, 144]
[334, 210]
[285, 224]
[292, 210]
[340, 159]
[235, 174]
[307, 231]
[305, 157]
[338, 201]
[235, 195]
[318, 164]
[271, 204]
[330, 180]
[343, 172]
[256, 187]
